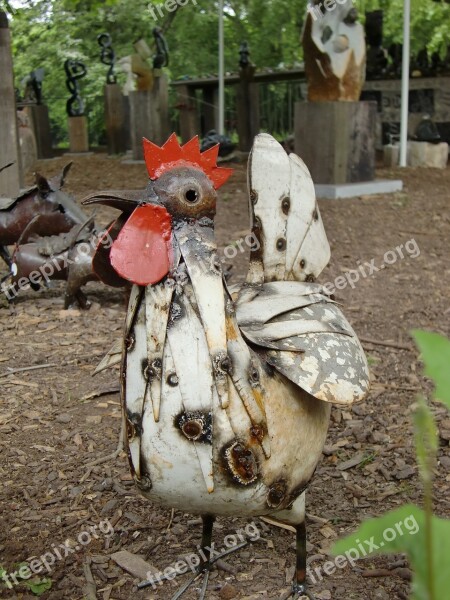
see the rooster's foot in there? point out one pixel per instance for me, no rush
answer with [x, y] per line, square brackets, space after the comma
[202, 570]
[298, 592]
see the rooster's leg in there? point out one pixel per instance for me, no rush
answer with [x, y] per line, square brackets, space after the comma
[299, 587]
[207, 561]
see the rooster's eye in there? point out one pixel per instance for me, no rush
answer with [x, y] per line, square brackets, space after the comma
[191, 196]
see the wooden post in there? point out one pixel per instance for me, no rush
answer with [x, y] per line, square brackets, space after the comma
[11, 178]
[211, 109]
[149, 116]
[78, 135]
[336, 140]
[186, 104]
[116, 121]
[247, 108]
[40, 123]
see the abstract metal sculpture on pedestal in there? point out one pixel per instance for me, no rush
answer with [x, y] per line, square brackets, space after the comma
[75, 70]
[33, 86]
[161, 58]
[108, 56]
[335, 53]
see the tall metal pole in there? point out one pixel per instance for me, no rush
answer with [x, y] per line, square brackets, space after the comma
[221, 72]
[405, 82]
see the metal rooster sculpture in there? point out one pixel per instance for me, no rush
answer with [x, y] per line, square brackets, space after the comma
[227, 393]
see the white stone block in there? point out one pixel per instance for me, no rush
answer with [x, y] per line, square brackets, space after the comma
[419, 154]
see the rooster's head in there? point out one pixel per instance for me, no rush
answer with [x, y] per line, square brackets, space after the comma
[176, 210]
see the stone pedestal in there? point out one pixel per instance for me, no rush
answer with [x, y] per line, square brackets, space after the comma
[78, 135]
[40, 122]
[419, 154]
[116, 119]
[149, 116]
[336, 140]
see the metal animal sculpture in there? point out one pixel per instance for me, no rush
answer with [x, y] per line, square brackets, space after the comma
[334, 50]
[59, 213]
[227, 392]
[108, 56]
[65, 257]
[75, 70]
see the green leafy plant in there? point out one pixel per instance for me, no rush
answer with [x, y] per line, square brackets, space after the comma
[423, 536]
[38, 586]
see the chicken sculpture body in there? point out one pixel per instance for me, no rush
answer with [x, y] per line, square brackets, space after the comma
[227, 392]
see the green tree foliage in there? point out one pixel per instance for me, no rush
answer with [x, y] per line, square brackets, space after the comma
[46, 32]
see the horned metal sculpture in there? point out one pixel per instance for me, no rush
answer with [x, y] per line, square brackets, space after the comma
[108, 56]
[75, 70]
[59, 212]
[227, 392]
[65, 257]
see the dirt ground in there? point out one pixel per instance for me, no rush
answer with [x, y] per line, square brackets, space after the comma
[56, 422]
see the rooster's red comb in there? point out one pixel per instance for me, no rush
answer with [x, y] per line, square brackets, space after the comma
[172, 155]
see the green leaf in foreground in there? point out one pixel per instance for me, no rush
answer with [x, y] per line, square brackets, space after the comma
[403, 530]
[435, 350]
[38, 586]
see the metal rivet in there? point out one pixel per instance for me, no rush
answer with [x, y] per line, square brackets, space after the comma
[225, 364]
[253, 196]
[254, 375]
[286, 205]
[281, 244]
[172, 379]
[303, 263]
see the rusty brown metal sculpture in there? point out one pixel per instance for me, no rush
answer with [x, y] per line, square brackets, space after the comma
[64, 257]
[59, 212]
[334, 49]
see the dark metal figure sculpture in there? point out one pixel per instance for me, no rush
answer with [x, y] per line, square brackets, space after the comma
[427, 131]
[33, 86]
[108, 56]
[395, 54]
[376, 55]
[59, 212]
[161, 59]
[212, 138]
[75, 70]
[244, 54]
